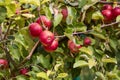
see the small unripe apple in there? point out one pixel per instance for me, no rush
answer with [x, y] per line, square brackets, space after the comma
[46, 37]
[35, 29]
[52, 47]
[24, 71]
[74, 48]
[64, 13]
[116, 11]
[107, 15]
[17, 11]
[87, 41]
[107, 7]
[45, 21]
[3, 63]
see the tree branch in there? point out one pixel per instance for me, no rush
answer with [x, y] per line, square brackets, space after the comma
[30, 54]
[88, 31]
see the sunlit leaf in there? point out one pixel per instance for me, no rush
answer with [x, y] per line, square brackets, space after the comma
[80, 63]
[42, 75]
[86, 50]
[62, 75]
[57, 19]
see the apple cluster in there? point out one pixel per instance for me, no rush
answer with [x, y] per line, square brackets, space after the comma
[40, 29]
[74, 48]
[109, 12]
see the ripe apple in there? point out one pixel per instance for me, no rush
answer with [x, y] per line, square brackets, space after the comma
[52, 47]
[46, 37]
[44, 20]
[24, 71]
[64, 13]
[3, 63]
[107, 7]
[108, 16]
[35, 29]
[74, 48]
[116, 11]
[87, 41]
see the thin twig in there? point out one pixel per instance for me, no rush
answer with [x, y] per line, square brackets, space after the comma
[30, 54]
[7, 30]
[88, 31]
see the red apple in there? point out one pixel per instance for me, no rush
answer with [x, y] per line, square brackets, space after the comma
[116, 11]
[74, 48]
[108, 16]
[24, 71]
[87, 41]
[64, 13]
[3, 63]
[52, 47]
[44, 20]
[107, 7]
[35, 29]
[46, 37]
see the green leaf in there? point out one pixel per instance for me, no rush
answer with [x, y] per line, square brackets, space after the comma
[113, 44]
[42, 75]
[20, 77]
[15, 51]
[35, 2]
[47, 12]
[44, 61]
[80, 27]
[82, 3]
[23, 37]
[86, 50]
[71, 15]
[57, 19]
[80, 63]
[3, 13]
[100, 75]
[97, 15]
[98, 35]
[62, 75]
[68, 32]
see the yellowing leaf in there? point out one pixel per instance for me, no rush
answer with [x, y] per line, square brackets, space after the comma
[42, 75]
[80, 63]
[91, 63]
[86, 50]
[44, 1]
[62, 75]
[28, 15]
[109, 60]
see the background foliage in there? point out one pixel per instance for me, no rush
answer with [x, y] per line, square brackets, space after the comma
[98, 61]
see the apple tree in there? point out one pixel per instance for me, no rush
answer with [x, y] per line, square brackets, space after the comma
[59, 40]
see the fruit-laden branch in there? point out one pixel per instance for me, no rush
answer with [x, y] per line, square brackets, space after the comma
[75, 4]
[30, 54]
[88, 31]
[110, 2]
